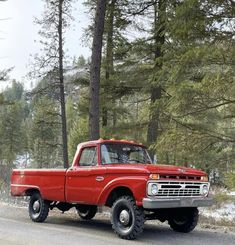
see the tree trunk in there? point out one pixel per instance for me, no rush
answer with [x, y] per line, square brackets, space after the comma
[109, 57]
[94, 113]
[62, 97]
[156, 90]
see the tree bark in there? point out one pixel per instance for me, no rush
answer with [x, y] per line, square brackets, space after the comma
[109, 57]
[94, 111]
[156, 90]
[61, 78]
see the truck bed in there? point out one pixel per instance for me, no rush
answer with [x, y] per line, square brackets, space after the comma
[50, 181]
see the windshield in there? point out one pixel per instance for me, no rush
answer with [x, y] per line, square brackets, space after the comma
[124, 153]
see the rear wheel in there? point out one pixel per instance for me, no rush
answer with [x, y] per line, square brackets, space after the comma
[184, 220]
[127, 219]
[86, 212]
[38, 208]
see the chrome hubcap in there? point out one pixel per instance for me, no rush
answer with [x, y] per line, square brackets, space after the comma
[36, 206]
[124, 217]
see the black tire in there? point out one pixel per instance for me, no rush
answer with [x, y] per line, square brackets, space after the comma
[127, 219]
[87, 212]
[184, 220]
[38, 208]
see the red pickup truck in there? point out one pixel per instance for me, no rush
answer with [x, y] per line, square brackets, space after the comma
[120, 175]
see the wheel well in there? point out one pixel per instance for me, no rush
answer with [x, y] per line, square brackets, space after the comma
[116, 193]
[30, 192]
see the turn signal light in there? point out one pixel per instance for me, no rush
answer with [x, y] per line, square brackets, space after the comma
[154, 176]
[204, 178]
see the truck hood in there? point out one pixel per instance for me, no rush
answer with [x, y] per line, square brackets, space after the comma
[154, 169]
[174, 170]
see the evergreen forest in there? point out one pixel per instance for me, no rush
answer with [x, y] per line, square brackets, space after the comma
[164, 76]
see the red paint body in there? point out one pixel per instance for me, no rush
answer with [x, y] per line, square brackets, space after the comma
[78, 184]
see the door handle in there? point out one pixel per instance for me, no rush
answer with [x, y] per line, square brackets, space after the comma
[99, 178]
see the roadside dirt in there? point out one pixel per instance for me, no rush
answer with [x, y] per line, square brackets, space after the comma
[17, 205]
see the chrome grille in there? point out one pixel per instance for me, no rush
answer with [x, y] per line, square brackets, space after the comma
[178, 189]
[180, 177]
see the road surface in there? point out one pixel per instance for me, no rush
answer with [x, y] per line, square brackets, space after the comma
[62, 229]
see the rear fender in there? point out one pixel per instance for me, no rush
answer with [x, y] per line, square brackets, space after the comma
[23, 190]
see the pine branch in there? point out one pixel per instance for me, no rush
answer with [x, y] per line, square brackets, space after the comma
[144, 6]
[213, 134]
[205, 108]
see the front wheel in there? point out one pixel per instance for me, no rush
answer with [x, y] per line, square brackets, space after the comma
[127, 219]
[86, 212]
[184, 220]
[38, 208]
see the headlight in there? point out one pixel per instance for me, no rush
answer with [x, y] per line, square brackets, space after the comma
[205, 190]
[152, 189]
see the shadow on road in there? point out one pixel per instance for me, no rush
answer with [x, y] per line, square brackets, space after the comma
[68, 228]
[152, 233]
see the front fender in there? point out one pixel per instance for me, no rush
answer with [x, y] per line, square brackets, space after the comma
[137, 185]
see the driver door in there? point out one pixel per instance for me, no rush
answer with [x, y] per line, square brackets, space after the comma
[81, 179]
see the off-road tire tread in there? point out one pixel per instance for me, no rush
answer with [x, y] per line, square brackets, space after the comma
[189, 225]
[44, 209]
[140, 219]
[90, 215]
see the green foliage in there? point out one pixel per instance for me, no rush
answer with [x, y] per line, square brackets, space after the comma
[14, 93]
[195, 71]
[81, 61]
[78, 133]
[11, 132]
[70, 113]
[45, 128]
[197, 77]
[4, 74]
[2, 99]
[230, 180]
[13, 136]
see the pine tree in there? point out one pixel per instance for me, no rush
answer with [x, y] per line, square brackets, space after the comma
[13, 137]
[199, 70]
[44, 131]
[94, 109]
[53, 24]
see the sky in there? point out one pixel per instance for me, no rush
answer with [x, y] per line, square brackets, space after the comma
[19, 35]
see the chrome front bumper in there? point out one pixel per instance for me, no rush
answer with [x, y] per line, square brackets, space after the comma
[179, 202]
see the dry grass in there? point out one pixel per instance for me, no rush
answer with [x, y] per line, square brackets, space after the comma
[222, 225]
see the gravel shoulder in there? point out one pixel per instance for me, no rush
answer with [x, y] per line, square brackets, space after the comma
[19, 205]
[67, 228]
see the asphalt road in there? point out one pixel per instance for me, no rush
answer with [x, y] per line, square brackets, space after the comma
[17, 229]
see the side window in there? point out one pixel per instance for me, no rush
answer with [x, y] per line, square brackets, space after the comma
[109, 155]
[88, 157]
